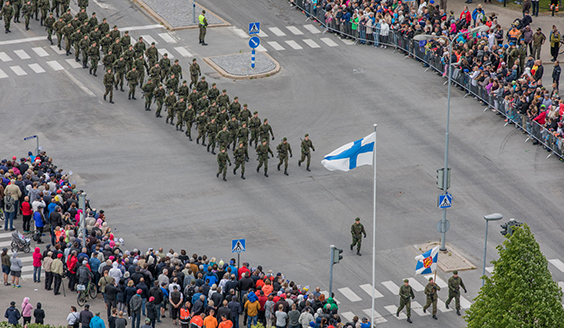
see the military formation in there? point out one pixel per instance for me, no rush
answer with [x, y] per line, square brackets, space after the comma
[41, 10]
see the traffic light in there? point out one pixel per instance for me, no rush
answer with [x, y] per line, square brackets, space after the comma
[336, 254]
[504, 227]
[509, 227]
[441, 177]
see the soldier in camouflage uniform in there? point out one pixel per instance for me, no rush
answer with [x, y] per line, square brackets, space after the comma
[27, 10]
[159, 99]
[262, 152]
[233, 127]
[306, 145]
[240, 154]
[357, 230]
[254, 125]
[283, 148]
[431, 291]
[211, 130]
[108, 84]
[222, 159]
[132, 77]
[180, 108]
[406, 295]
[194, 72]
[243, 137]
[454, 284]
[189, 119]
[244, 114]
[148, 89]
[94, 54]
[222, 137]
[201, 122]
[170, 102]
[49, 22]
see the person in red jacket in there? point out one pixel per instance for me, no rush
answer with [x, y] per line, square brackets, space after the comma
[37, 257]
[26, 212]
[465, 14]
[71, 265]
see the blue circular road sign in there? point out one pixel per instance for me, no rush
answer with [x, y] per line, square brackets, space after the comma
[254, 42]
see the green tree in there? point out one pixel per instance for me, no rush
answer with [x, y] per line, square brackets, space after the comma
[520, 292]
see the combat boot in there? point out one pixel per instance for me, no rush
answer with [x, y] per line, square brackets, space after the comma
[358, 253]
[217, 175]
[435, 317]
[213, 152]
[197, 141]
[133, 97]
[278, 167]
[203, 142]
[409, 320]
[166, 118]
[299, 163]
[458, 312]
[111, 101]
[266, 174]
[258, 168]
[307, 168]
[224, 179]
[104, 97]
[176, 128]
[243, 176]
[446, 305]
[121, 88]
[285, 171]
[209, 148]
[129, 97]
[181, 130]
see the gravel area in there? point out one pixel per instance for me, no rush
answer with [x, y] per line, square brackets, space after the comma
[179, 12]
[240, 64]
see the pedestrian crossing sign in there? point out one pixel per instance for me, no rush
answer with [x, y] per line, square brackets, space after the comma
[254, 28]
[445, 201]
[237, 245]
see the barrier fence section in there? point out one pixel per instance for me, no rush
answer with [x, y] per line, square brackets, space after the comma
[377, 37]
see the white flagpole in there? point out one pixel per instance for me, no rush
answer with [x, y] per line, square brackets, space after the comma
[374, 230]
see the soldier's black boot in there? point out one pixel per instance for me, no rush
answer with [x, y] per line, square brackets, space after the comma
[224, 179]
[111, 101]
[209, 148]
[358, 253]
[351, 247]
[217, 175]
[265, 174]
[121, 88]
[203, 142]
[190, 137]
[458, 312]
[258, 168]
[285, 171]
[234, 171]
[299, 163]
[129, 97]
[446, 305]
[409, 320]
[176, 128]
[133, 97]
[243, 176]
[213, 152]
[104, 97]
[116, 84]
[181, 130]
[435, 317]
[424, 310]
[197, 141]
[166, 118]
[278, 167]
[397, 314]
[307, 168]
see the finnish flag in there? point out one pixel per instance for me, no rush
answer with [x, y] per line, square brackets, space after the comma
[351, 155]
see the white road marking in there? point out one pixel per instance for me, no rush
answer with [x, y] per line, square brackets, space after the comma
[418, 308]
[561, 284]
[183, 52]
[40, 52]
[142, 27]
[441, 306]
[294, 44]
[326, 293]
[55, 65]
[3, 75]
[275, 45]
[167, 37]
[149, 39]
[392, 287]
[32, 39]
[6, 235]
[79, 84]
[277, 31]
[393, 309]
[19, 71]
[103, 5]
[261, 48]
[294, 30]
[22, 54]
[4, 57]
[347, 42]
[311, 43]
[415, 284]
[464, 303]
[348, 316]
[352, 296]
[558, 264]
[368, 289]
[262, 34]
[378, 318]
[59, 52]
[36, 68]
[163, 51]
[312, 29]
[73, 63]
[490, 269]
[329, 42]
[239, 32]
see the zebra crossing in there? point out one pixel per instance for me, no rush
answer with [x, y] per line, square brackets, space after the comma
[33, 59]
[26, 258]
[307, 36]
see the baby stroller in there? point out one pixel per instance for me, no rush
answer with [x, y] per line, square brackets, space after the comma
[20, 243]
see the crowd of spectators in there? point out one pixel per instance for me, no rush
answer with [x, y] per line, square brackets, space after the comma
[501, 68]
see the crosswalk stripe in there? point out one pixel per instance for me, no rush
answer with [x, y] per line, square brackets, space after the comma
[558, 264]
[167, 37]
[19, 71]
[3, 74]
[378, 318]
[347, 42]
[368, 289]
[262, 34]
[441, 306]
[149, 39]
[418, 308]
[4, 57]
[294, 44]
[392, 287]
[40, 52]
[55, 65]
[58, 51]
[326, 293]
[329, 42]
[9, 243]
[348, 293]
[464, 303]
[6, 235]
[183, 52]
[239, 32]
[73, 63]
[163, 51]
[415, 284]
[22, 54]
[348, 316]
[439, 281]
[490, 269]
[294, 30]
[261, 48]
[312, 29]
[26, 277]
[393, 309]
[36, 68]
[311, 43]
[277, 31]
[275, 45]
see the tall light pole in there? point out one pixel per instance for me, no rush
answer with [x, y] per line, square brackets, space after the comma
[193, 11]
[488, 218]
[421, 37]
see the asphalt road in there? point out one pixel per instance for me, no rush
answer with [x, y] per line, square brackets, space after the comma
[159, 189]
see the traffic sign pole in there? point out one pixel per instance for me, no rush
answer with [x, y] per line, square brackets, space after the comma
[193, 11]
[37, 139]
[253, 59]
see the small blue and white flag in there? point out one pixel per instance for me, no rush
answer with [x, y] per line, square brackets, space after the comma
[351, 155]
[427, 262]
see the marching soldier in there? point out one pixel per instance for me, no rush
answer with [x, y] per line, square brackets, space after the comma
[141, 65]
[265, 131]
[152, 55]
[104, 27]
[211, 130]
[129, 57]
[140, 47]
[17, 5]
[357, 230]
[431, 291]
[165, 66]
[76, 37]
[67, 16]
[262, 152]
[170, 101]
[115, 33]
[201, 122]
[213, 93]
[106, 42]
[108, 84]
[180, 109]
[67, 34]
[244, 114]
[49, 22]
[125, 40]
[132, 78]
[283, 148]
[406, 295]
[116, 46]
[233, 127]
[83, 4]
[183, 90]
[203, 27]
[222, 137]
[119, 68]
[235, 107]
[148, 89]
[44, 5]
[223, 99]
[159, 99]
[222, 159]
[93, 21]
[94, 53]
[243, 137]
[254, 125]
[240, 154]
[27, 10]
[176, 69]
[84, 44]
[202, 85]
[189, 119]
[194, 72]
[58, 27]
[454, 284]
[172, 83]
[109, 60]
[306, 145]
[155, 72]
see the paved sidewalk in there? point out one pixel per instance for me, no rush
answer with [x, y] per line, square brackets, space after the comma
[178, 14]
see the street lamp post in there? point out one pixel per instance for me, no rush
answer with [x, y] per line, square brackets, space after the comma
[420, 37]
[488, 218]
[193, 11]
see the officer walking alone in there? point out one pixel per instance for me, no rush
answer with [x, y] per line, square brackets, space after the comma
[306, 145]
[431, 291]
[454, 284]
[406, 295]
[357, 230]
[203, 25]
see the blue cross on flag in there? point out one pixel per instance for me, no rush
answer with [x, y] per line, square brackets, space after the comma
[427, 262]
[351, 155]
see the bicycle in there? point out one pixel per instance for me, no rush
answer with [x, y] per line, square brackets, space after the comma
[84, 292]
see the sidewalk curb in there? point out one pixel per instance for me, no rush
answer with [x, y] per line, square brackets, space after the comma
[221, 71]
[450, 260]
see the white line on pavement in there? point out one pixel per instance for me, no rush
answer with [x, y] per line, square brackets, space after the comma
[22, 54]
[418, 308]
[311, 43]
[19, 71]
[415, 284]
[277, 31]
[55, 65]
[294, 44]
[4, 57]
[347, 42]
[329, 42]
[35, 38]
[312, 29]
[58, 51]
[40, 52]
[167, 37]
[36, 68]
[378, 318]
[368, 289]
[103, 5]
[239, 32]
[348, 293]
[163, 51]
[142, 27]
[79, 84]
[261, 48]
[294, 30]
[490, 269]
[348, 316]
[149, 39]
[183, 51]
[392, 287]
[275, 45]
[393, 309]
[73, 63]
[558, 264]
[262, 34]
[2, 74]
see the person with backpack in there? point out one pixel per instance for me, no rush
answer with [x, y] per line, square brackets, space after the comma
[10, 210]
[12, 314]
[152, 311]
[73, 318]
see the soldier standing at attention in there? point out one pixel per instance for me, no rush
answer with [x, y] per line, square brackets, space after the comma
[431, 291]
[222, 159]
[239, 155]
[203, 26]
[194, 72]
[283, 148]
[405, 294]
[262, 152]
[357, 230]
[306, 145]
[454, 284]
[109, 83]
